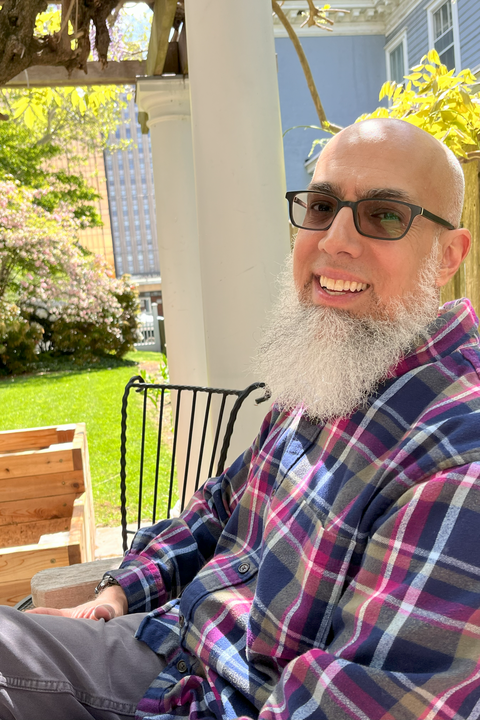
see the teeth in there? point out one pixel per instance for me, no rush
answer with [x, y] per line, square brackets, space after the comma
[342, 285]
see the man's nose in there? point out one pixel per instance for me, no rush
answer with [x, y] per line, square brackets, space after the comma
[342, 235]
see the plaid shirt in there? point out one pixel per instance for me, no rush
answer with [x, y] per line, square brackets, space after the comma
[333, 571]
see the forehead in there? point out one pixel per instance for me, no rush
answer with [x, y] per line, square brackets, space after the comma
[357, 167]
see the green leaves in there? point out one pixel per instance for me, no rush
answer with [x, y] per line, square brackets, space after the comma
[61, 112]
[438, 101]
[29, 163]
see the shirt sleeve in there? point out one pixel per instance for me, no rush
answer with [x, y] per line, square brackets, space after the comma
[165, 557]
[405, 638]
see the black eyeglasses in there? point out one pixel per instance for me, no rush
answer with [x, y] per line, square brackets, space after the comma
[378, 218]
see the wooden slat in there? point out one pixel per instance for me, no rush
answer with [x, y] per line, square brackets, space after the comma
[116, 73]
[23, 563]
[182, 50]
[66, 433]
[471, 220]
[466, 281]
[43, 491]
[74, 554]
[30, 533]
[33, 438]
[38, 462]
[34, 509]
[84, 505]
[163, 16]
[34, 486]
[12, 592]
[172, 62]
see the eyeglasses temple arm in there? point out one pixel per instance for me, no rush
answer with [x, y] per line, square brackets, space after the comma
[435, 218]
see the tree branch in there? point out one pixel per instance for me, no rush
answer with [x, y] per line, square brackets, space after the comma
[21, 48]
[325, 124]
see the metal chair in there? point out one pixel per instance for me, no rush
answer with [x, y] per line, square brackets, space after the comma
[184, 431]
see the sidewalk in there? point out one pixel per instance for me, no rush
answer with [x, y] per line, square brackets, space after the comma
[108, 541]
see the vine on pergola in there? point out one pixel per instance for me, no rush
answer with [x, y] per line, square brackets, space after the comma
[22, 45]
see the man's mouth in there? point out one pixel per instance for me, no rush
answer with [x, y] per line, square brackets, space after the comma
[334, 287]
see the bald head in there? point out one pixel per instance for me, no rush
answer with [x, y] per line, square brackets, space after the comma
[435, 174]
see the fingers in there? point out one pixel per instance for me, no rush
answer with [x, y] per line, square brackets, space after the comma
[45, 611]
[104, 612]
[86, 612]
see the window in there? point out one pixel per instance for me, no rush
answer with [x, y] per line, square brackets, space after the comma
[443, 35]
[397, 65]
[443, 32]
[145, 304]
[396, 57]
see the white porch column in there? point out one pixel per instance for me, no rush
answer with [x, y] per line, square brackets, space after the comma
[167, 102]
[240, 182]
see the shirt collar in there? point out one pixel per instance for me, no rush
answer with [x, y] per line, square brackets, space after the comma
[455, 326]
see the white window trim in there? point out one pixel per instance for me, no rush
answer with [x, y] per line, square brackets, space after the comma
[401, 37]
[433, 7]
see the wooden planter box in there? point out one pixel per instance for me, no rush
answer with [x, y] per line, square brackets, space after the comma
[46, 508]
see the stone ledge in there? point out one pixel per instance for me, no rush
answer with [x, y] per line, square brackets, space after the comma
[70, 586]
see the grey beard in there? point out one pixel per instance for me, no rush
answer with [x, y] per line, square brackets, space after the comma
[331, 362]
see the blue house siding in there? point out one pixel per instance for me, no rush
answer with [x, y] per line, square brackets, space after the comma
[348, 71]
[469, 28]
[417, 32]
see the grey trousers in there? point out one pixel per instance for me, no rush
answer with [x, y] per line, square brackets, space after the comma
[56, 668]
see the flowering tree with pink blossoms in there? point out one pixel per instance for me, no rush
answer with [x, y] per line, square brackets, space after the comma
[54, 296]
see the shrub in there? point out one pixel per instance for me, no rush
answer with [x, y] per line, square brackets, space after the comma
[83, 310]
[18, 340]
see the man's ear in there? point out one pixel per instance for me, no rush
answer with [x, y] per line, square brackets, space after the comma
[455, 245]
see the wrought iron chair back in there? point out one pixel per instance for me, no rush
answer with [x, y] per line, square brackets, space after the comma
[176, 414]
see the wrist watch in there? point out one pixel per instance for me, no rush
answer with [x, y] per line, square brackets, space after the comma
[105, 582]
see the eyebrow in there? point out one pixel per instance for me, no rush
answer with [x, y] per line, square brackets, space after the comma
[371, 194]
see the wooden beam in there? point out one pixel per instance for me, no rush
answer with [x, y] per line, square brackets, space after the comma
[163, 17]
[115, 73]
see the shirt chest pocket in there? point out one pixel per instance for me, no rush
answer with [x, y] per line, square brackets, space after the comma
[301, 576]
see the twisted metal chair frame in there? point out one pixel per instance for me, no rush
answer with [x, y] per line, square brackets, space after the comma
[224, 420]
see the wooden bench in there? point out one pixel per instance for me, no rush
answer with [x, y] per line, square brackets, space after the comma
[46, 508]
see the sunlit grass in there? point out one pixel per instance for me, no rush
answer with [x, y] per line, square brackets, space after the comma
[93, 396]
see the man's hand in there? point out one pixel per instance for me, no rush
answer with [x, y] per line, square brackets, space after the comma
[111, 603]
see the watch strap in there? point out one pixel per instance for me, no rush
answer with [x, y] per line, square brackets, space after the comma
[106, 581]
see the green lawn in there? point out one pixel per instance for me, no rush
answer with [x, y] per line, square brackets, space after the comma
[92, 396]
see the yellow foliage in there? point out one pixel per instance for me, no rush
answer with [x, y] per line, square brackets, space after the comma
[48, 22]
[438, 101]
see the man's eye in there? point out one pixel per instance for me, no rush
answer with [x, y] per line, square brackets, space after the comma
[388, 215]
[321, 207]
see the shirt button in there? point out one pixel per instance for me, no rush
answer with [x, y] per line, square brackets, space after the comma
[182, 666]
[243, 568]
[181, 620]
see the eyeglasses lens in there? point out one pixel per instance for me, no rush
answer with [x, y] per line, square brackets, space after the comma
[382, 219]
[314, 211]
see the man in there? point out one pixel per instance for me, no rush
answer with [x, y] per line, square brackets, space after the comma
[333, 571]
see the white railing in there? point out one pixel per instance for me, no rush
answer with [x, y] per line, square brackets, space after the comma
[150, 332]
